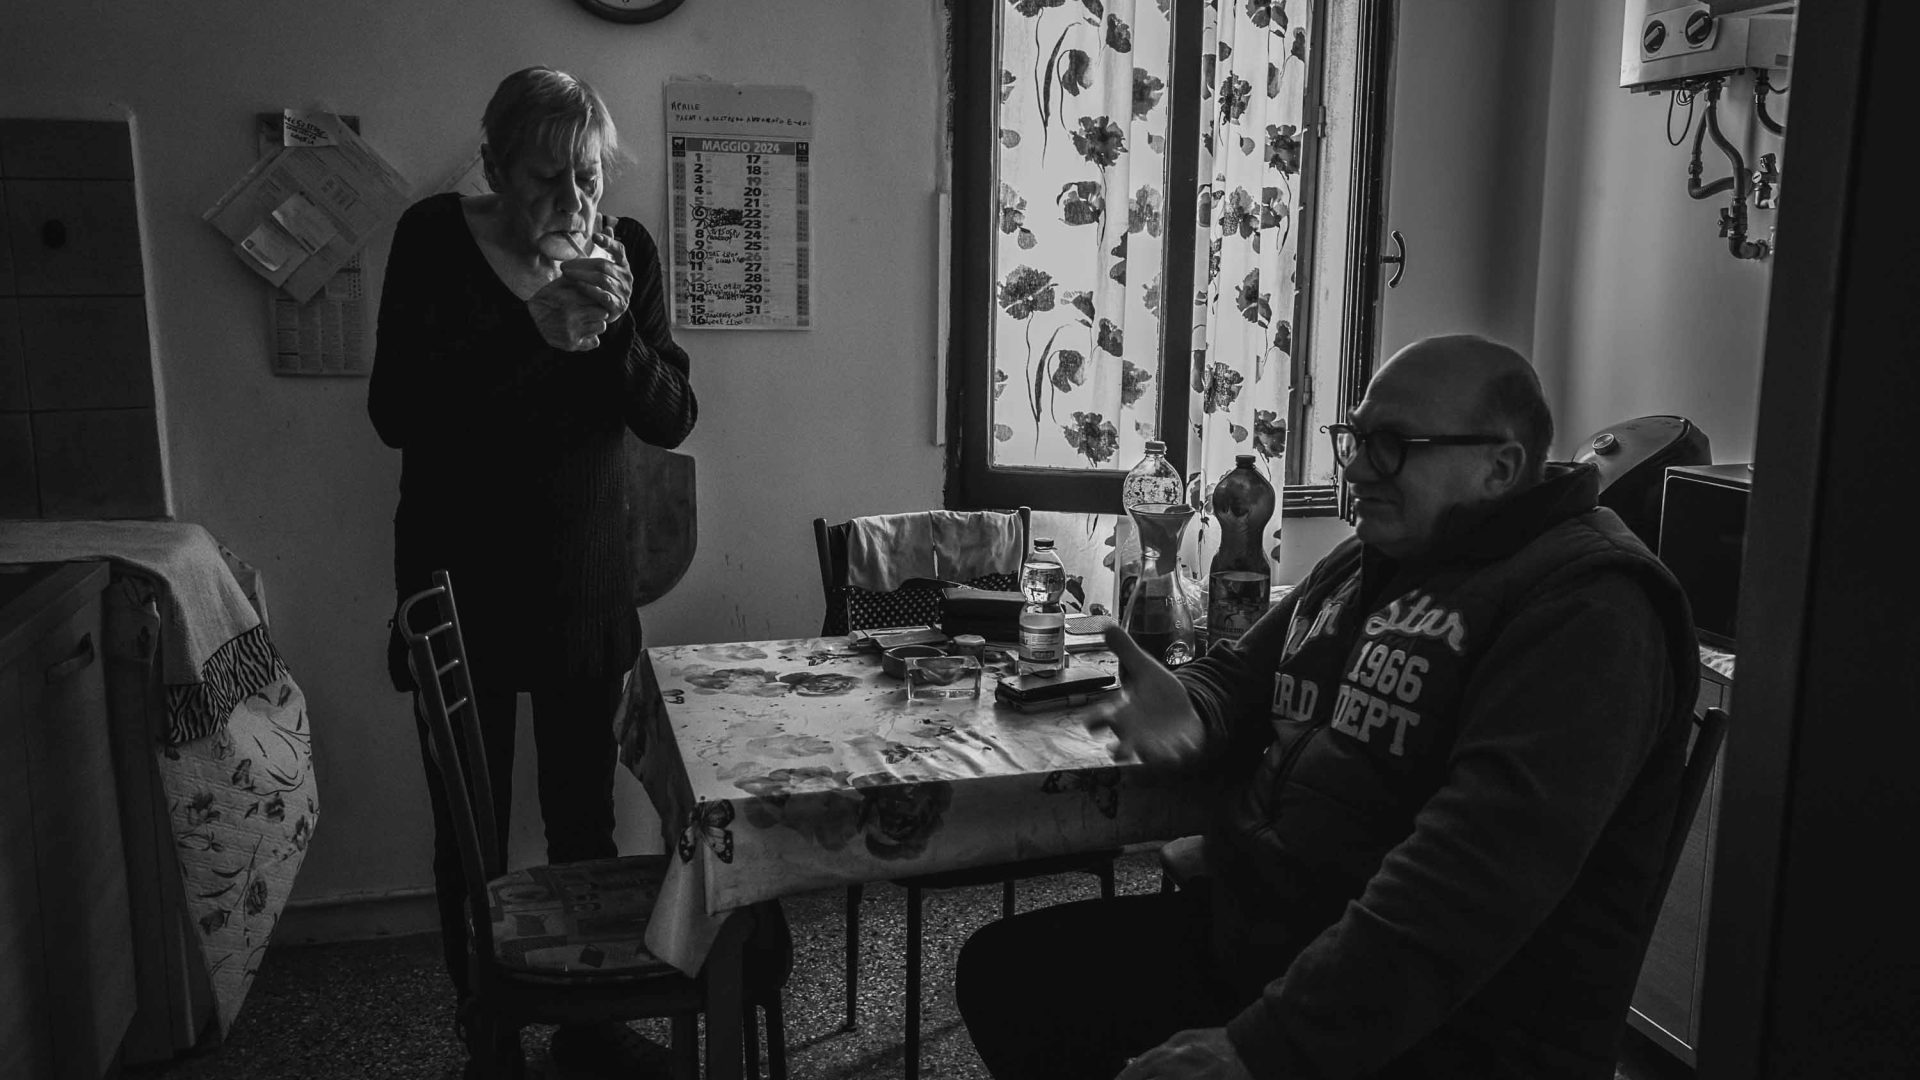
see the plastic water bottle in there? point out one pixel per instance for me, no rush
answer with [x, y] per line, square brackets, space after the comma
[1152, 482]
[1043, 622]
[1240, 576]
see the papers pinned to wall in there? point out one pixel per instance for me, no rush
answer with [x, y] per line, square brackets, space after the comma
[324, 332]
[327, 335]
[301, 213]
[742, 232]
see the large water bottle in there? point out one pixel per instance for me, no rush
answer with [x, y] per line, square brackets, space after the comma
[1240, 576]
[1043, 621]
[1152, 482]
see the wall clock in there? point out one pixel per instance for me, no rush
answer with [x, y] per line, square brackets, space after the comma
[630, 11]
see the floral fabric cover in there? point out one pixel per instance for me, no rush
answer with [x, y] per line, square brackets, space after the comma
[242, 802]
[779, 767]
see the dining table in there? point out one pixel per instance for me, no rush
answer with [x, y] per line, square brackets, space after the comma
[787, 766]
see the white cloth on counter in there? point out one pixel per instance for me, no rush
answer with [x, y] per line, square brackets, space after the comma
[214, 650]
[886, 551]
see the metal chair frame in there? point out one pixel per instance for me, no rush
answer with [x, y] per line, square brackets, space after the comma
[506, 1001]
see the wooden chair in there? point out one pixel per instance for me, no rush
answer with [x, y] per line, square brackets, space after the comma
[847, 609]
[531, 960]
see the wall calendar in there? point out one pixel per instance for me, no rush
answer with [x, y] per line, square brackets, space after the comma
[741, 235]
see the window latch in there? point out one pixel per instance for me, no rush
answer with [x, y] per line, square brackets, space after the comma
[1398, 261]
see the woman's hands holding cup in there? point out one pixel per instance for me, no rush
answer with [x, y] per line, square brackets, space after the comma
[605, 278]
[568, 319]
[591, 293]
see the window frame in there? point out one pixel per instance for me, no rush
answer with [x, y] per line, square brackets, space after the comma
[971, 481]
[1368, 183]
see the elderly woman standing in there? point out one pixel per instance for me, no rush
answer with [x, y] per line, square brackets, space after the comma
[521, 335]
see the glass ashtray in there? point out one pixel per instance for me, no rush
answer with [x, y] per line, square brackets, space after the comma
[942, 678]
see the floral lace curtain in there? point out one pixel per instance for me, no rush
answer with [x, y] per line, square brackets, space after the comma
[1254, 84]
[1082, 174]
[1082, 168]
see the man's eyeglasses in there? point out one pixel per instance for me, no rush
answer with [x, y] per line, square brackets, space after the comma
[1387, 450]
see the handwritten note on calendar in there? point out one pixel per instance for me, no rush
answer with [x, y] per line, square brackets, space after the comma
[741, 236]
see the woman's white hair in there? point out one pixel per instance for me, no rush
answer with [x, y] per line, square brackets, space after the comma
[541, 108]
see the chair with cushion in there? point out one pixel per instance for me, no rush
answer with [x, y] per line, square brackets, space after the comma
[910, 596]
[564, 944]
[914, 601]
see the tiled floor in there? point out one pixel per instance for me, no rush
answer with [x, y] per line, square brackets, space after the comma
[381, 1009]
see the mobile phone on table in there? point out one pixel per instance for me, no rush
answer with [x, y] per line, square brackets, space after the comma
[1062, 688]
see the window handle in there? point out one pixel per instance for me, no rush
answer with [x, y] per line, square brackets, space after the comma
[1398, 262]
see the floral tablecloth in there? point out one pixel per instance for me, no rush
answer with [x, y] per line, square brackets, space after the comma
[780, 767]
[1719, 661]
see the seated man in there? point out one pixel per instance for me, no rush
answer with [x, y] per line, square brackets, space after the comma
[1447, 765]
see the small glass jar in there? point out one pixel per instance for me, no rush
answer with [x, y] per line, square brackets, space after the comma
[970, 645]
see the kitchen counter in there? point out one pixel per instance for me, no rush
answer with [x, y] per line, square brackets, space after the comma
[16, 581]
[66, 934]
[211, 759]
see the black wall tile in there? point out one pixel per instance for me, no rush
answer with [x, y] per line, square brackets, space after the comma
[101, 463]
[66, 149]
[74, 237]
[19, 494]
[13, 360]
[6, 249]
[86, 352]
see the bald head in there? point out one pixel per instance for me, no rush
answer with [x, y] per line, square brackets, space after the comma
[1473, 384]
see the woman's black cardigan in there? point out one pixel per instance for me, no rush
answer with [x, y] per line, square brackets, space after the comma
[513, 453]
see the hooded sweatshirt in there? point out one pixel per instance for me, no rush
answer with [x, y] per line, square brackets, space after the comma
[1448, 784]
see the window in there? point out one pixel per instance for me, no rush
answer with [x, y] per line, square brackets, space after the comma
[1138, 187]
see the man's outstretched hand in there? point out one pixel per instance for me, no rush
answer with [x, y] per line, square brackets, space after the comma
[1151, 718]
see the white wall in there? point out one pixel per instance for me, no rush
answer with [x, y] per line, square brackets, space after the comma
[1640, 307]
[288, 472]
[1464, 176]
[1543, 207]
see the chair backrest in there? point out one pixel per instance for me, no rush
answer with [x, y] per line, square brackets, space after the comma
[1709, 732]
[849, 607]
[430, 625]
